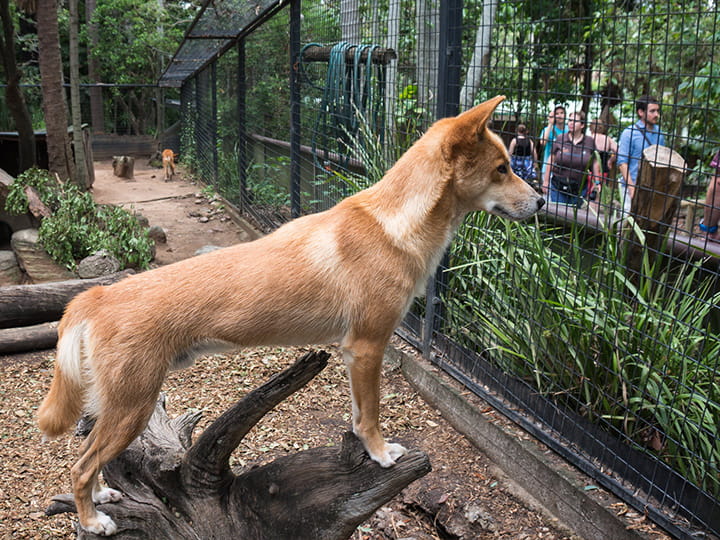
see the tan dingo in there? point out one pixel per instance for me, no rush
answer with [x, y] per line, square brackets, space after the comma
[347, 274]
[168, 161]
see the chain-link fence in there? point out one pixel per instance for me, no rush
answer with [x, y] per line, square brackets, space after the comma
[594, 326]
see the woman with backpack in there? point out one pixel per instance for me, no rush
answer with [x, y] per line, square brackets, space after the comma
[523, 156]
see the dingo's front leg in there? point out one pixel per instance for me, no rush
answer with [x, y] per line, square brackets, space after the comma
[364, 360]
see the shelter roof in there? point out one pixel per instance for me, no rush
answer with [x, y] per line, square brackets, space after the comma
[218, 26]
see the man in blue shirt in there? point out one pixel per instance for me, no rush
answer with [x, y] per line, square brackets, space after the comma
[636, 138]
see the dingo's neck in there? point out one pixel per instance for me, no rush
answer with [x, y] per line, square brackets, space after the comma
[413, 204]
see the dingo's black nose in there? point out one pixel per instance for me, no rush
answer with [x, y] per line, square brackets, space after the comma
[540, 203]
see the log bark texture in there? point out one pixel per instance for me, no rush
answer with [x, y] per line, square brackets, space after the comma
[23, 305]
[28, 338]
[175, 488]
[656, 200]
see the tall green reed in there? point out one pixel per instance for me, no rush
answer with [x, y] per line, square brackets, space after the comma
[633, 352]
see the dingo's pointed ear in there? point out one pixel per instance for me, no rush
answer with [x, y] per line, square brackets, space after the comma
[469, 127]
[475, 120]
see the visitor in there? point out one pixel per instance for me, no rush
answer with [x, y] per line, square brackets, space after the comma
[555, 127]
[523, 156]
[572, 161]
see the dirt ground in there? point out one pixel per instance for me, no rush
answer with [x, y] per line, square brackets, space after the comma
[464, 496]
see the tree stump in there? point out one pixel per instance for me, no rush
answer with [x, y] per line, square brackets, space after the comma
[175, 488]
[656, 200]
[124, 167]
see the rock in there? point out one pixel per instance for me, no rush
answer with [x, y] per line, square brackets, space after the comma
[142, 220]
[473, 522]
[34, 259]
[207, 249]
[100, 263]
[157, 234]
[10, 273]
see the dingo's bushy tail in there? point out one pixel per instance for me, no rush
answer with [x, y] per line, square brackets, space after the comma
[65, 400]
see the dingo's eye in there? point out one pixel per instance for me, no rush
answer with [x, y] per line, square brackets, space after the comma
[502, 169]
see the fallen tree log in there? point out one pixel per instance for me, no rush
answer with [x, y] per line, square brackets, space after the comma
[176, 489]
[28, 338]
[24, 305]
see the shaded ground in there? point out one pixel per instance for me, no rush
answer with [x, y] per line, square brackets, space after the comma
[463, 497]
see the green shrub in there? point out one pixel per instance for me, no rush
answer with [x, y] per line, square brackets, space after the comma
[79, 227]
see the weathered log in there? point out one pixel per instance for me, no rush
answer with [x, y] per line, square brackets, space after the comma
[23, 305]
[124, 166]
[28, 338]
[37, 208]
[176, 489]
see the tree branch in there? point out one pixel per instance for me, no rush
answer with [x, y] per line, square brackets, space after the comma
[207, 462]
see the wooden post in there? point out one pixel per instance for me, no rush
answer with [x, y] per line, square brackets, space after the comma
[656, 200]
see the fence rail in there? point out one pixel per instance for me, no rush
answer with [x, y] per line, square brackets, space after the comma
[595, 328]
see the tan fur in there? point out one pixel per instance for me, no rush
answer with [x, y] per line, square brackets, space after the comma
[347, 274]
[168, 160]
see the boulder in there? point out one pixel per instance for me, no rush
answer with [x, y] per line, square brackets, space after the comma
[100, 263]
[157, 234]
[10, 273]
[34, 260]
[207, 249]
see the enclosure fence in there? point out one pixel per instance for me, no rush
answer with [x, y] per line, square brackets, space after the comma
[595, 325]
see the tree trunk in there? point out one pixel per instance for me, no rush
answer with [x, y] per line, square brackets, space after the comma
[81, 173]
[97, 112]
[53, 93]
[176, 489]
[350, 21]
[13, 95]
[656, 200]
[124, 166]
[22, 305]
[391, 105]
[473, 79]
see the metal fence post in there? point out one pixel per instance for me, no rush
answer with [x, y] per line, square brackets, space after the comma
[448, 92]
[295, 209]
[242, 127]
[213, 121]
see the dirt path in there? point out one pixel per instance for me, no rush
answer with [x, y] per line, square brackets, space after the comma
[181, 207]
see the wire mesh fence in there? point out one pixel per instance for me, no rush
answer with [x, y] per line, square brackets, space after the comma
[595, 325]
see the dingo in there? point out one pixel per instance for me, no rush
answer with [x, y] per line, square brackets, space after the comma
[168, 161]
[347, 274]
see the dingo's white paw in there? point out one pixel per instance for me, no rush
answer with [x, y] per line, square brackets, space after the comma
[391, 452]
[102, 524]
[106, 495]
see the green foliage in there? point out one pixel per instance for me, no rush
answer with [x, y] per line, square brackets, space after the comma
[266, 180]
[580, 331]
[78, 227]
[137, 38]
[39, 179]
